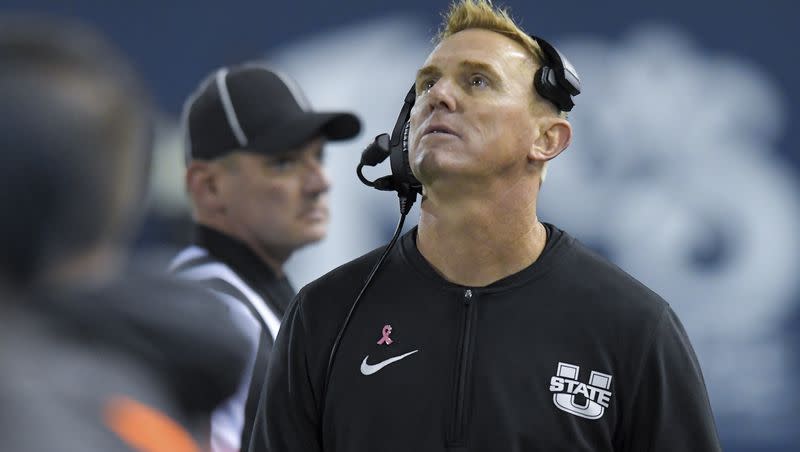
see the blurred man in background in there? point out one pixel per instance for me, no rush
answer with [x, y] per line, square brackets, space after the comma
[92, 357]
[486, 329]
[255, 177]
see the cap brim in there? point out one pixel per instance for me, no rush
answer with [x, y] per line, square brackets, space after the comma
[339, 126]
[294, 132]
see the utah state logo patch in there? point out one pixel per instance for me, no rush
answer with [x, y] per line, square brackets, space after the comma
[565, 387]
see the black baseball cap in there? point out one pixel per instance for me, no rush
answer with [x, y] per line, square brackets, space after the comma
[253, 108]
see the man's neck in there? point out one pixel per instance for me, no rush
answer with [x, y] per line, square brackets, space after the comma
[477, 241]
[274, 263]
[275, 259]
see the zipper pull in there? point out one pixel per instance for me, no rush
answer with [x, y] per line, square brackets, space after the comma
[467, 296]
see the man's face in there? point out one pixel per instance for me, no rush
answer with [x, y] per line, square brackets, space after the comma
[473, 115]
[277, 203]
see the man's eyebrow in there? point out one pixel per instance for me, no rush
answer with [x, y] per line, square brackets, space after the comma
[479, 66]
[428, 71]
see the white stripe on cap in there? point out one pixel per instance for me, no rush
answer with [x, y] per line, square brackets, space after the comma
[185, 111]
[230, 113]
[289, 82]
[294, 88]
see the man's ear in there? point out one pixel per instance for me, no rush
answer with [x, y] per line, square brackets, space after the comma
[203, 185]
[555, 134]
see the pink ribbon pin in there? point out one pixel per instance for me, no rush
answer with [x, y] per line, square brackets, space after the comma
[387, 330]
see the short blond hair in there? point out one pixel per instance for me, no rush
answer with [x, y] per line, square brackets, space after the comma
[466, 14]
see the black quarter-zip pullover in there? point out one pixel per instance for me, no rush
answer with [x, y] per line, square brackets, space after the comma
[569, 354]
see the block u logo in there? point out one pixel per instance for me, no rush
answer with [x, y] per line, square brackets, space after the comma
[566, 387]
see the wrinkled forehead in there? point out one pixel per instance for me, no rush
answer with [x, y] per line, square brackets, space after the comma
[481, 46]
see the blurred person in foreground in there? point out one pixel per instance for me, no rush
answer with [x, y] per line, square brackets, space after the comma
[92, 356]
[258, 189]
[486, 329]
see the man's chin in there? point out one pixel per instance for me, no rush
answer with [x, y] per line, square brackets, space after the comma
[439, 171]
[313, 234]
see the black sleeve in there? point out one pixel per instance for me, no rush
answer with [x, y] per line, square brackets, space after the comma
[288, 417]
[670, 410]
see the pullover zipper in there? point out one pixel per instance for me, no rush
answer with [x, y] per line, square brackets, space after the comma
[460, 420]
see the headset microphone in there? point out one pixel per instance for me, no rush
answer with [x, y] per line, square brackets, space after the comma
[395, 147]
[556, 80]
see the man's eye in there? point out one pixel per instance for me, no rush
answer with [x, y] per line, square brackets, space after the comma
[282, 163]
[478, 81]
[425, 85]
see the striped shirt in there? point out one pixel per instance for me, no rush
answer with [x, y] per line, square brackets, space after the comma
[256, 299]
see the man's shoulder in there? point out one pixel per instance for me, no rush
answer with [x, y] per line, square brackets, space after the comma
[345, 278]
[323, 303]
[608, 284]
[189, 257]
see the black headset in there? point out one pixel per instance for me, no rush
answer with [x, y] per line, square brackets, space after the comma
[556, 80]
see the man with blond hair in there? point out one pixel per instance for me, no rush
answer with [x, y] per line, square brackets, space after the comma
[485, 329]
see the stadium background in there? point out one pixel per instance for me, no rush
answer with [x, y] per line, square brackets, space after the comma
[685, 168]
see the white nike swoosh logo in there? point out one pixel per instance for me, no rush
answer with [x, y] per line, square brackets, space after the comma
[369, 369]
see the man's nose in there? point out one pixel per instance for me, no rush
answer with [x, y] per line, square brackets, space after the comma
[442, 95]
[316, 180]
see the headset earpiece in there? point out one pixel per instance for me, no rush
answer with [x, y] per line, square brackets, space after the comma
[557, 80]
[546, 85]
